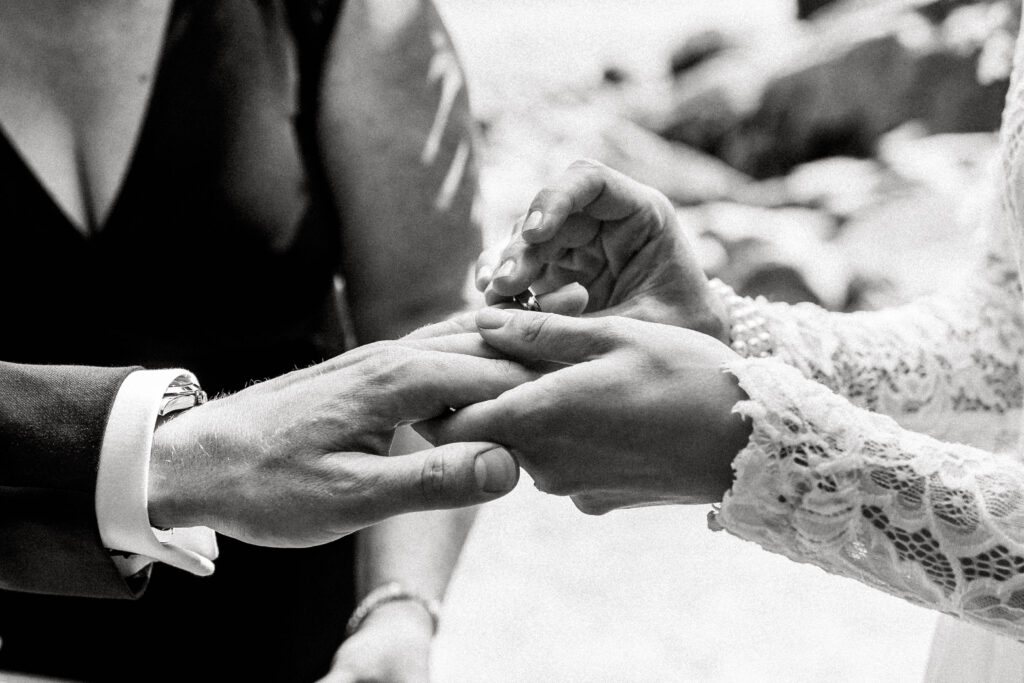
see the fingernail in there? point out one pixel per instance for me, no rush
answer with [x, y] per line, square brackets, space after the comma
[533, 221]
[506, 268]
[483, 277]
[491, 318]
[495, 471]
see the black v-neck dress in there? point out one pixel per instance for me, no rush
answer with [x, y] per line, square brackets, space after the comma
[218, 256]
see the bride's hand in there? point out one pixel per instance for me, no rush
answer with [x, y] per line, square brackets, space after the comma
[640, 415]
[618, 238]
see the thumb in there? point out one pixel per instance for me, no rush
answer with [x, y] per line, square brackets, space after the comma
[570, 299]
[452, 476]
[530, 336]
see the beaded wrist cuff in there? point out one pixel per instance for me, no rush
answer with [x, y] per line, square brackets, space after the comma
[748, 334]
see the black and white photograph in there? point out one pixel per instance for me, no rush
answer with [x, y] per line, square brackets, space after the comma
[511, 341]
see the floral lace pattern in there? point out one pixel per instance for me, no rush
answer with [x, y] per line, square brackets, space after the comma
[958, 354]
[825, 482]
[852, 464]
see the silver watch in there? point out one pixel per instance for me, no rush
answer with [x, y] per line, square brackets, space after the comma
[183, 393]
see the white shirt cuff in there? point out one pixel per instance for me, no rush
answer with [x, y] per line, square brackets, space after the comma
[122, 485]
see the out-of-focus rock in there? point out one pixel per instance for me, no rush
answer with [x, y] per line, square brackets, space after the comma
[907, 160]
[529, 148]
[613, 75]
[684, 174]
[912, 241]
[950, 163]
[697, 49]
[842, 186]
[851, 80]
[709, 101]
[784, 254]
[807, 8]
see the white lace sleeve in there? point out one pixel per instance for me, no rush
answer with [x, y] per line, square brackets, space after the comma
[922, 363]
[825, 482]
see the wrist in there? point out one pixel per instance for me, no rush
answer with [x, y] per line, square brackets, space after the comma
[172, 499]
[407, 615]
[395, 601]
[733, 435]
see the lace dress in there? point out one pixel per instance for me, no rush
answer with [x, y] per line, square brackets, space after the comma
[857, 461]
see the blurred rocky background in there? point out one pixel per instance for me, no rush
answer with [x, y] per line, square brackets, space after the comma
[790, 145]
[835, 151]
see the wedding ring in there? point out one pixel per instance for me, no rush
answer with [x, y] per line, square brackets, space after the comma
[527, 300]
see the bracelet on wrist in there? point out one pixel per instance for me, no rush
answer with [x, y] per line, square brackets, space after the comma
[392, 592]
[748, 331]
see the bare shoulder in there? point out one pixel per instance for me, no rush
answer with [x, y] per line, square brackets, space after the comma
[385, 23]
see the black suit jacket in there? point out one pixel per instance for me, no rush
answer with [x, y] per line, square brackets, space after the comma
[52, 419]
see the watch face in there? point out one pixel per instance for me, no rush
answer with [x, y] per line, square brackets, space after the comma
[182, 395]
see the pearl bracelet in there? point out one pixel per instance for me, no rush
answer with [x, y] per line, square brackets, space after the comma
[748, 333]
[391, 592]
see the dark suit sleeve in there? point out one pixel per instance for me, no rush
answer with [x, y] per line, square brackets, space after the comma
[52, 420]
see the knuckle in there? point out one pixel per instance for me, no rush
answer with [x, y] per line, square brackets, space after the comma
[587, 164]
[361, 489]
[533, 326]
[511, 373]
[389, 379]
[611, 332]
[590, 506]
[660, 203]
[548, 200]
[393, 364]
[516, 412]
[433, 478]
[545, 483]
[543, 411]
[487, 258]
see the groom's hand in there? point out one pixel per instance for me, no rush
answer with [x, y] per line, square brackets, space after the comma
[300, 460]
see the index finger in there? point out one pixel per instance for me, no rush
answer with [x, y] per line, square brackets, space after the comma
[437, 382]
[587, 187]
[466, 343]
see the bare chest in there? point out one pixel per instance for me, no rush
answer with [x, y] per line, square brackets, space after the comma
[74, 89]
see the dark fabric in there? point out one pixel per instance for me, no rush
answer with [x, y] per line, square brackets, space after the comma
[52, 420]
[219, 256]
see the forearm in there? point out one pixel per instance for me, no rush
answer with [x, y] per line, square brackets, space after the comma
[947, 364]
[418, 550]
